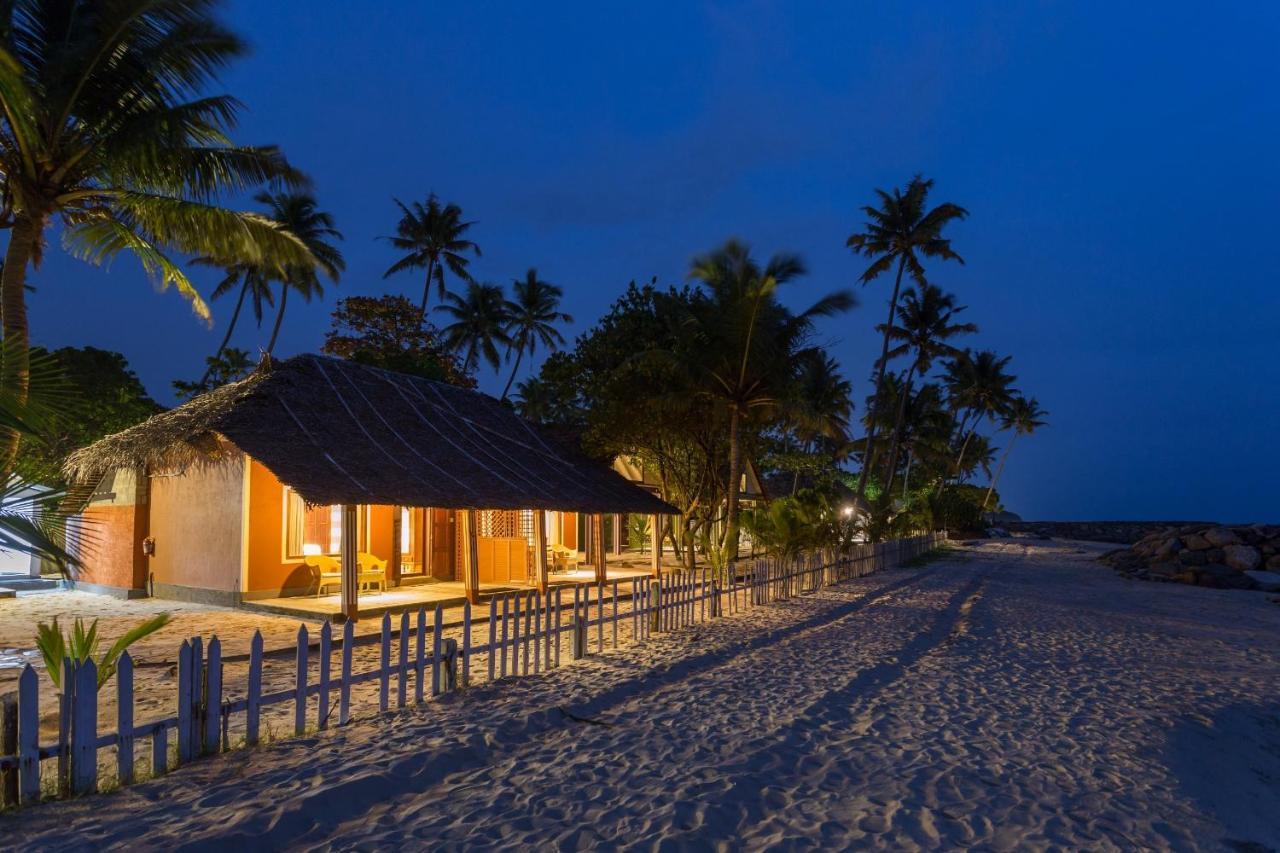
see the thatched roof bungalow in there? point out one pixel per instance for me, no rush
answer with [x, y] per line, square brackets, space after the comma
[260, 488]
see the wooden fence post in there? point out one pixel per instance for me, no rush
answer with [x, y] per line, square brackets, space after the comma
[253, 702]
[84, 729]
[213, 696]
[537, 631]
[326, 654]
[450, 669]
[557, 631]
[579, 637]
[466, 644]
[8, 748]
[29, 736]
[420, 658]
[124, 719]
[493, 637]
[384, 664]
[600, 606]
[402, 680]
[515, 634]
[437, 633]
[506, 622]
[195, 734]
[300, 683]
[185, 676]
[529, 603]
[344, 691]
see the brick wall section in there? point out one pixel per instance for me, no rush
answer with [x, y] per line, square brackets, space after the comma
[110, 541]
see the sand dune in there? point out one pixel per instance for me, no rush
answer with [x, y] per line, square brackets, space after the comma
[1012, 695]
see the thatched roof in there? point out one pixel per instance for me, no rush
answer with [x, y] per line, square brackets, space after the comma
[340, 432]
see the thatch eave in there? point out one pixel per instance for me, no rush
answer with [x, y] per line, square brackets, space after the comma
[338, 432]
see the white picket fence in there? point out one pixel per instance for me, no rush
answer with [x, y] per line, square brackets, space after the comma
[525, 632]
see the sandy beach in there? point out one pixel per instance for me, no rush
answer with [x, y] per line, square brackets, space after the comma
[1013, 694]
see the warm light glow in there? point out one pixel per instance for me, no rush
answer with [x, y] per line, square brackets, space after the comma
[846, 511]
[310, 549]
[335, 528]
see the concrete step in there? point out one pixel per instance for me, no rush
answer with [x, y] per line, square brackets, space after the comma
[21, 583]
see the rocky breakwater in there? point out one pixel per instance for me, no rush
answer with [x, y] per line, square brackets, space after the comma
[1224, 557]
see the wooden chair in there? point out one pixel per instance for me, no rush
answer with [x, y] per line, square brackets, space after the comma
[373, 572]
[326, 571]
[563, 559]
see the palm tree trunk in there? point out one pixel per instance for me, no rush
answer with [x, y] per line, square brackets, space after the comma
[875, 400]
[906, 477]
[15, 359]
[735, 475]
[795, 482]
[965, 446]
[275, 331]
[231, 327]
[999, 470]
[426, 291]
[514, 370]
[897, 428]
[957, 423]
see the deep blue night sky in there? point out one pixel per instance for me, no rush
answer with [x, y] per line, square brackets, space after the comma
[1119, 162]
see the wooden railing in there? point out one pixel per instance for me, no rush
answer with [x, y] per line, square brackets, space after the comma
[525, 634]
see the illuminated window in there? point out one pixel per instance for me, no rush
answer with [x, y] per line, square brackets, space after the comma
[310, 529]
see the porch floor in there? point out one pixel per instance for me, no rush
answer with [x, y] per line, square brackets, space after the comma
[413, 596]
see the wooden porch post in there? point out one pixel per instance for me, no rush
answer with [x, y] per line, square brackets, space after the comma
[348, 545]
[619, 533]
[396, 533]
[655, 549]
[470, 557]
[541, 577]
[597, 531]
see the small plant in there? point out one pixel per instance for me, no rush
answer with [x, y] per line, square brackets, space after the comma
[81, 644]
[639, 530]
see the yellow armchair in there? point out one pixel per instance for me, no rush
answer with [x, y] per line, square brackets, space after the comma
[373, 571]
[563, 559]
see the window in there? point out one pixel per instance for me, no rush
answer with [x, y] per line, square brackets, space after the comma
[310, 529]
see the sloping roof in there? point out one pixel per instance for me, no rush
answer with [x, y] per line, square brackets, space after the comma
[340, 432]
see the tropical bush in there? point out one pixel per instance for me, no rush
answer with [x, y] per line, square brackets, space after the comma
[960, 507]
[80, 644]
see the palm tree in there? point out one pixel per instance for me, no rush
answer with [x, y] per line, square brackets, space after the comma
[747, 344]
[1024, 417]
[532, 315]
[820, 407]
[431, 237]
[479, 327]
[926, 432]
[253, 283]
[298, 214]
[533, 400]
[105, 126]
[978, 387]
[924, 328]
[899, 232]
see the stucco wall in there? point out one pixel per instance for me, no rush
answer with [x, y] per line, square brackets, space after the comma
[196, 518]
[270, 573]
